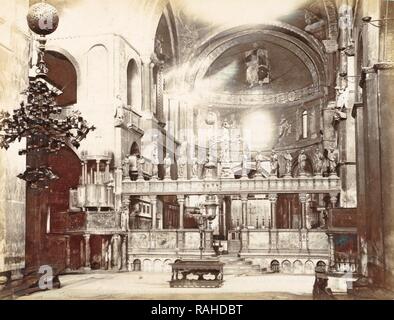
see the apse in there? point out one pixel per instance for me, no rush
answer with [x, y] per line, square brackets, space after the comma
[258, 130]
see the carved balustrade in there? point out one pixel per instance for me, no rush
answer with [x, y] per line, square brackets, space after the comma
[234, 186]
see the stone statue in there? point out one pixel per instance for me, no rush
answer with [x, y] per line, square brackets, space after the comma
[314, 25]
[225, 145]
[140, 168]
[182, 167]
[167, 166]
[126, 168]
[257, 67]
[119, 114]
[319, 161]
[125, 220]
[274, 163]
[302, 162]
[155, 159]
[332, 161]
[133, 162]
[284, 127]
[259, 167]
[289, 161]
[194, 168]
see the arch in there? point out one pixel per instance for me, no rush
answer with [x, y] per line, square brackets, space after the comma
[97, 73]
[275, 266]
[157, 266]
[166, 265]
[309, 267]
[135, 149]
[165, 17]
[137, 265]
[298, 267]
[133, 85]
[305, 124]
[308, 49]
[286, 266]
[147, 265]
[63, 75]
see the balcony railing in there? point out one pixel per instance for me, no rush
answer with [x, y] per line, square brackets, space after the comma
[234, 186]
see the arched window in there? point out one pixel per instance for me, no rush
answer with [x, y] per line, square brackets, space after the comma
[62, 75]
[133, 85]
[305, 124]
[275, 266]
[137, 265]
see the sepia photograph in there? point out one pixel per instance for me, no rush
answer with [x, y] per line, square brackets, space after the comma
[200, 150]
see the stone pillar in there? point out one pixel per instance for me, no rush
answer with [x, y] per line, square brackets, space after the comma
[302, 197]
[116, 259]
[85, 168]
[273, 198]
[333, 201]
[103, 253]
[146, 83]
[244, 199]
[124, 253]
[332, 252]
[81, 254]
[98, 172]
[83, 178]
[159, 96]
[153, 202]
[87, 251]
[181, 201]
[68, 254]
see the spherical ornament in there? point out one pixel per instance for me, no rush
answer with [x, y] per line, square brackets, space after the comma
[210, 119]
[43, 19]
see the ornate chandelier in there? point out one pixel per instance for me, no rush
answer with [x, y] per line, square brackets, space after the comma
[39, 117]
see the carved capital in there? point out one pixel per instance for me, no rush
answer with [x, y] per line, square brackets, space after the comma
[302, 197]
[86, 237]
[153, 199]
[273, 197]
[244, 197]
[180, 198]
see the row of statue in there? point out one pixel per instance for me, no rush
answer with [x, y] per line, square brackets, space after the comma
[318, 163]
[321, 163]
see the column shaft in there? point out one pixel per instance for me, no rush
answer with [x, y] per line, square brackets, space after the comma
[181, 201]
[87, 250]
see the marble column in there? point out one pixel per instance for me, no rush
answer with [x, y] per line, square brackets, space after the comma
[181, 202]
[153, 202]
[85, 169]
[244, 199]
[124, 252]
[273, 198]
[98, 172]
[302, 197]
[159, 96]
[68, 254]
[146, 84]
[83, 178]
[332, 252]
[87, 251]
[81, 254]
[103, 253]
[116, 260]
[333, 201]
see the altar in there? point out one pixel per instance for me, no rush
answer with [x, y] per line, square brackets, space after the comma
[197, 273]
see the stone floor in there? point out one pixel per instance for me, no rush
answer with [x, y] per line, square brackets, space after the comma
[131, 285]
[154, 286]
